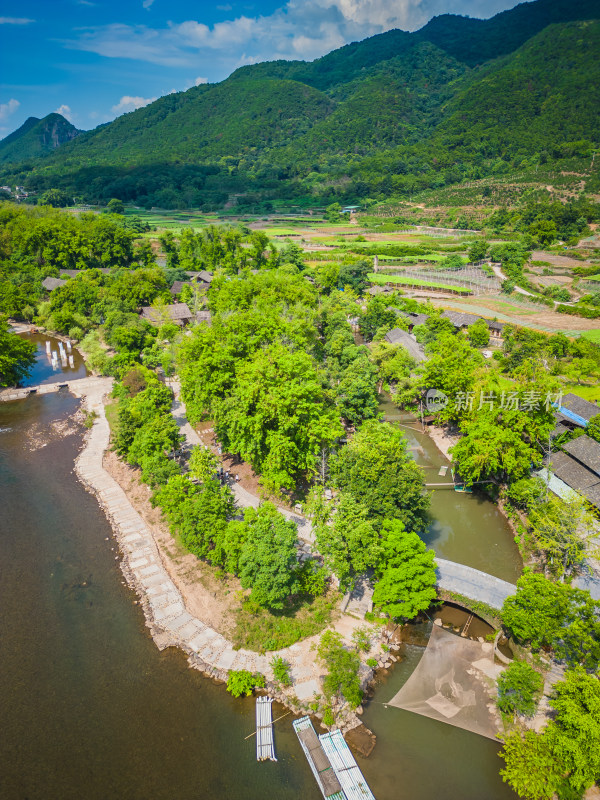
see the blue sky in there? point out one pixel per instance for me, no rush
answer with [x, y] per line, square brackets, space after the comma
[93, 60]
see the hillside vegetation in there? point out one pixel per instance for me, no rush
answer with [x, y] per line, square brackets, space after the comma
[37, 137]
[392, 115]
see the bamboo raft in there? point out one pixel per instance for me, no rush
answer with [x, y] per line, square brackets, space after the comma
[354, 785]
[265, 750]
[336, 772]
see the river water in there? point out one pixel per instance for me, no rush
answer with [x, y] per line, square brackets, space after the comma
[90, 708]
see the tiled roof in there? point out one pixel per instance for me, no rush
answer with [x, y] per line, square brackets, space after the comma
[178, 312]
[460, 319]
[578, 477]
[586, 451]
[178, 286]
[52, 283]
[583, 408]
[403, 338]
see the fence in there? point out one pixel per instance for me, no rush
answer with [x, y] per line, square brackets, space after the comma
[470, 277]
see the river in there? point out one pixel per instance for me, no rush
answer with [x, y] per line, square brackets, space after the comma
[91, 708]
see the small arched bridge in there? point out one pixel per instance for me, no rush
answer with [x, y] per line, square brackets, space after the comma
[472, 583]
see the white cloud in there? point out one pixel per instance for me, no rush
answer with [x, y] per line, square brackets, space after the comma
[129, 103]
[147, 3]
[198, 81]
[66, 112]
[6, 109]
[16, 21]
[300, 29]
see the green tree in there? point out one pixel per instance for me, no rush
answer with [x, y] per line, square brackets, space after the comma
[17, 356]
[531, 768]
[518, 687]
[376, 469]
[357, 391]
[478, 250]
[57, 198]
[451, 369]
[355, 275]
[350, 545]
[269, 558]
[332, 212]
[277, 415]
[115, 206]
[593, 428]
[556, 615]
[574, 736]
[479, 334]
[564, 759]
[376, 316]
[342, 666]
[565, 534]
[408, 581]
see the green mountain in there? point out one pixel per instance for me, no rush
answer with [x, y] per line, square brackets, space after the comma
[461, 98]
[36, 137]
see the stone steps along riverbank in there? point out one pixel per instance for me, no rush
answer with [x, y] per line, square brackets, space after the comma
[169, 621]
[164, 608]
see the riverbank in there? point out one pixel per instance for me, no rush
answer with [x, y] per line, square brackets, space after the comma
[442, 439]
[178, 607]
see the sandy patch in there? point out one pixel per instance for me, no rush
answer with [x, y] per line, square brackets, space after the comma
[442, 439]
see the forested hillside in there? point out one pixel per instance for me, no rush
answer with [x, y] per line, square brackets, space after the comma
[37, 137]
[393, 114]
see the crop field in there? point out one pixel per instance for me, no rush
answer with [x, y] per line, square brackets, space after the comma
[402, 281]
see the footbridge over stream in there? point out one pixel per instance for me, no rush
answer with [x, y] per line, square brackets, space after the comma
[473, 583]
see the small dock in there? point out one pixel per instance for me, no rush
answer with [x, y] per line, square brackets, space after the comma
[345, 767]
[320, 765]
[333, 765]
[265, 750]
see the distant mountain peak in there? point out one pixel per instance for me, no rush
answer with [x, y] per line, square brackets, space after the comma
[37, 137]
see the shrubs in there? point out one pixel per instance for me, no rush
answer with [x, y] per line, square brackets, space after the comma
[242, 682]
[518, 687]
[281, 670]
[342, 669]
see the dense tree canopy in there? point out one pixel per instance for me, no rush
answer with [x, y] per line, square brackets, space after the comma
[17, 356]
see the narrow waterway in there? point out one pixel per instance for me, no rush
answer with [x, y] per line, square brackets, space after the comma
[426, 759]
[466, 528]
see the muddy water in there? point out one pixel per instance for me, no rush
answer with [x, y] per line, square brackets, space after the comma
[88, 706]
[465, 528]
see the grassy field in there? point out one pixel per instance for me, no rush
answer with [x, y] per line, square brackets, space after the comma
[593, 336]
[591, 393]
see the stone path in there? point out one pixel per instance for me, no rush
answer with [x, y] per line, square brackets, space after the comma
[243, 498]
[166, 615]
[543, 713]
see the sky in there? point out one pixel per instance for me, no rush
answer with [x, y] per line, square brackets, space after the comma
[93, 60]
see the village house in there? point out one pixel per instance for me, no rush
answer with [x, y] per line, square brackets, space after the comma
[404, 339]
[50, 284]
[179, 313]
[573, 412]
[579, 468]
